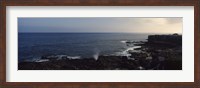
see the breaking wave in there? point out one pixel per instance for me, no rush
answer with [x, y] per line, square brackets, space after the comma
[127, 51]
[123, 41]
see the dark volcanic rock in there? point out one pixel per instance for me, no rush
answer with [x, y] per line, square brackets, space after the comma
[103, 63]
[116, 62]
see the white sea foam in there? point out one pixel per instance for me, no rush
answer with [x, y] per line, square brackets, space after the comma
[123, 41]
[42, 60]
[74, 57]
[131, 49]
[127, 52]
[33, 59]
[59, 57]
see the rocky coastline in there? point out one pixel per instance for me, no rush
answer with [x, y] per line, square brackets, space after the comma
[159, 52]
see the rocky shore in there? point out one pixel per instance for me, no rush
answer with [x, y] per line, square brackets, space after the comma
[160, 52]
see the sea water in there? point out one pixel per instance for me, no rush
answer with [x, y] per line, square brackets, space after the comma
[84, 45]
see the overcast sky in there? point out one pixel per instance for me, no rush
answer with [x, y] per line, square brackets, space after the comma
[99, 24]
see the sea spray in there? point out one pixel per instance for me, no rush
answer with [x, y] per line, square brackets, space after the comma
[96, 55]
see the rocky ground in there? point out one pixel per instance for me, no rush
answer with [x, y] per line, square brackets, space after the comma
[160, 52]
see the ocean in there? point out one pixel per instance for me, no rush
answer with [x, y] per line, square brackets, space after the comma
[86, 45]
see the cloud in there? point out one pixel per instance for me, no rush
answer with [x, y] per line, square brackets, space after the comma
[174, 20]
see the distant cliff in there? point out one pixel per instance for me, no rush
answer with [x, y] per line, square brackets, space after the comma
[172, 40]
